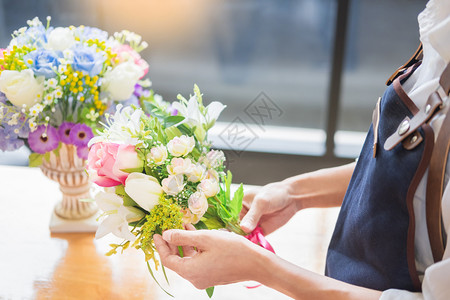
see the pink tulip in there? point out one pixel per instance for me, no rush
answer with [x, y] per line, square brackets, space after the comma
[107, 162]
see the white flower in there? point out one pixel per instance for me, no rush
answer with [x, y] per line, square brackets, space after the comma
[181, 146]
[58, 93]
[120, 81]
[197, 172]
[60, 39]
[143, 189]
[173, 184]
[212, 174]
[62, 68]
[158, 154]
[122, 128]
[48, 98]
[20, 87]
[210, 187]
[179, 166]
[36, 109]
[198, 204]
[214, 158]
[118, 215]
[193, 115]
[52, 82]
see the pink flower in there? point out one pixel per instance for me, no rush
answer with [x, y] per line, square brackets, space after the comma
[107, 162]
[125, 53]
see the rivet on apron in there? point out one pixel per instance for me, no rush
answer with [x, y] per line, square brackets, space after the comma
[413, 139]
[403, 128]
[427, 108]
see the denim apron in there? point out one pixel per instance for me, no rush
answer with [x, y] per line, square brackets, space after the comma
[373, 241]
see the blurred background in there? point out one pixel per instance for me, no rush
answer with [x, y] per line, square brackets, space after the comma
[300, 78]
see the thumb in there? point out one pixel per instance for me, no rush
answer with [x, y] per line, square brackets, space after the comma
[183, 237]
[251, 219]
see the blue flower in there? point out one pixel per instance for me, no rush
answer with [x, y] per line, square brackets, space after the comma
[44, 62]
[91, 33]
[34, 35]
[9, 141]
[88, 60]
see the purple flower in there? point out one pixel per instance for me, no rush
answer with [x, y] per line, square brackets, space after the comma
[9, 141]
[140, 91]
[3, 98]
[80, 134]
[44, 139]
[83, 152]
[64, 132]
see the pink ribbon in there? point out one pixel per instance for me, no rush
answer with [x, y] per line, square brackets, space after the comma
[257, 237]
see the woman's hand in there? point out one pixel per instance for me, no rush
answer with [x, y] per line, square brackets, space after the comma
[270, 206]
[273, 205]
[211, 257]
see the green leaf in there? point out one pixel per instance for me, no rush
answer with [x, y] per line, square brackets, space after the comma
[236, 204]
[200, 225]
[228, 179]
[172, 120]
[132, 170]
[120, 190]
[210, 291]
[154, 278]
[35, 159]
[47, 156]
[128, 201]
[212, 223]
[200, 134]
[172, 132]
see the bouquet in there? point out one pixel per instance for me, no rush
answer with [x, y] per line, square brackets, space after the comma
[159, 172]
[57, 83]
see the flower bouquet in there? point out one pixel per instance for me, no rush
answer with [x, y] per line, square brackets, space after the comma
[159, 172]
[56, 85]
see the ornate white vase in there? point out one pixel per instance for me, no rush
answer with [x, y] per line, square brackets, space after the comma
[69, 171]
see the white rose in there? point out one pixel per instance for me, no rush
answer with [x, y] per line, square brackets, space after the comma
[209, 187]
[158, 155]
[120, 81]
[196, 173]
[180, 146]
[143, 189]
[198, 204]
[173, 184]
[179, 166]
[20, 87]
[189, 217]
[60, 39]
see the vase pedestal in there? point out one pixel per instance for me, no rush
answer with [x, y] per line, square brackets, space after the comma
[61, 225]
[73, 213]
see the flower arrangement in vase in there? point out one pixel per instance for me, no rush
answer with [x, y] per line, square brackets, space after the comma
[56, 85]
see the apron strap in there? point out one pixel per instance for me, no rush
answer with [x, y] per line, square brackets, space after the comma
[435, 183]
[417, 56]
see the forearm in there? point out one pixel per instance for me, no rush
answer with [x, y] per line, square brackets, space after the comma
[299, 283]
[322, 188]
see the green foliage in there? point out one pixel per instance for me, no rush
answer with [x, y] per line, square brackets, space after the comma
[35, 159]
[210, 291]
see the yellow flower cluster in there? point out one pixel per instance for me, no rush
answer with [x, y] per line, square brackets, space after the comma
[12, 60]
[165, 215]
[80, 84]
[101, 45]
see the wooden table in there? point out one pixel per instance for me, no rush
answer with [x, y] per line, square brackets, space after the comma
[35, 264]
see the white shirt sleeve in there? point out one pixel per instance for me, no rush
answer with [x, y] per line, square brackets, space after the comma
[436, 282]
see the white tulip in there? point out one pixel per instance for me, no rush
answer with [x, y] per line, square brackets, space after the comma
[143, 189]
[21, 88]
[197, 172]
[179, 166]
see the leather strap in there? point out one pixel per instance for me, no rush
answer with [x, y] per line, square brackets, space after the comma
[417, 56]
[435, 186]
[407, 126]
